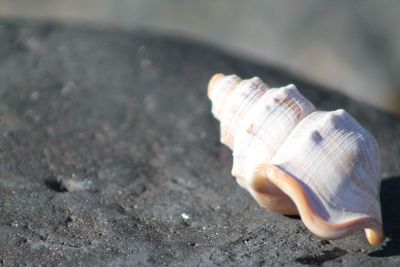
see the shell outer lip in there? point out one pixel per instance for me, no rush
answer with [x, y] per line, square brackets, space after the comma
[319, 226]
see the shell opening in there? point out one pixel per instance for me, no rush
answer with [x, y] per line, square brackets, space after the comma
[269, 196]
[292, 188]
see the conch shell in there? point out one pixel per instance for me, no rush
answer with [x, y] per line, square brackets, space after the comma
[294, 160]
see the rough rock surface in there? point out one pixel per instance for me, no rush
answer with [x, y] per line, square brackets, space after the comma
[109, 155]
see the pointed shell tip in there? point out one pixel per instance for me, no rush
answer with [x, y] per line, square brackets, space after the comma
[214, 80]
[375, 237]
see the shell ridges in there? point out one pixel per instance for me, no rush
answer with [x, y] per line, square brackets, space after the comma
[293, 159]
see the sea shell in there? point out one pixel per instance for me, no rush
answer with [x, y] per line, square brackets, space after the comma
[323, 166]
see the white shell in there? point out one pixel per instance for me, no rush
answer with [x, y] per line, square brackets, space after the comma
[283, 108]
[293, 159]
[246, 93]
[218, 92]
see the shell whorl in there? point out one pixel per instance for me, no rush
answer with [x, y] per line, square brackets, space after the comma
[323, 166]
[283, 108]
[219, 88]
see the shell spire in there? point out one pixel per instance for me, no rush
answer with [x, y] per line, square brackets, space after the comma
[323, 166]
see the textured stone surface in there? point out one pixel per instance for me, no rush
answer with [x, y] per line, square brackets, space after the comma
[109, 155]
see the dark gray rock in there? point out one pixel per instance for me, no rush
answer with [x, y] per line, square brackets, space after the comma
[125, 116]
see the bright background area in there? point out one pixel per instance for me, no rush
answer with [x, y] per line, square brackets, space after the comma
[352, 46]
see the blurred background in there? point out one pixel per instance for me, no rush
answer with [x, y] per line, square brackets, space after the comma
[351, 46]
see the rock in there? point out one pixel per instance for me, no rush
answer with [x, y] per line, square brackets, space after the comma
[128, 111]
